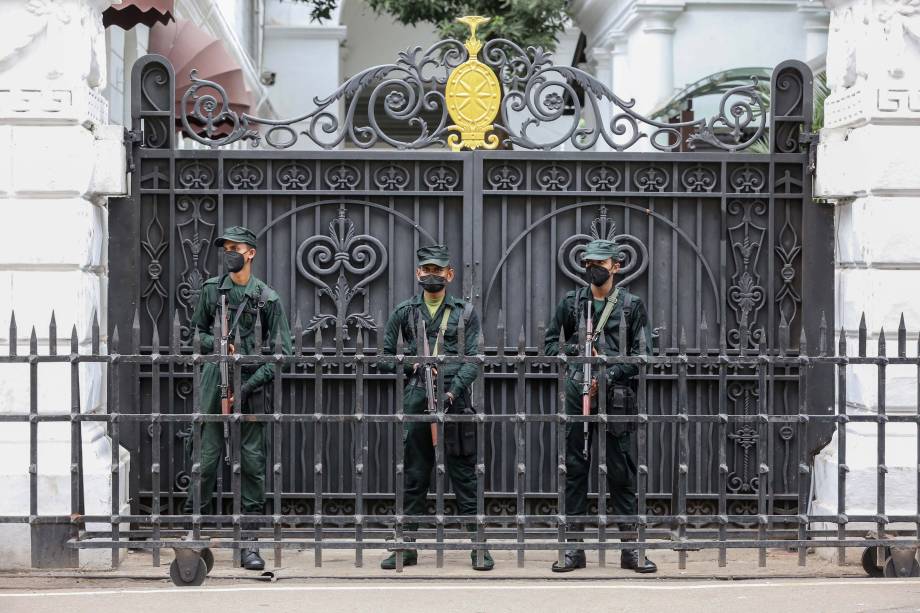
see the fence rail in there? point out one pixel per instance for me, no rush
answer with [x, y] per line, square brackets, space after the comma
[365, 527]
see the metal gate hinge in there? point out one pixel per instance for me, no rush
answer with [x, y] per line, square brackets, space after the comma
[132, 139]
[811, 139]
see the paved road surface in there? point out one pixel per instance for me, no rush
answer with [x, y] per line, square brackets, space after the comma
[806, 595]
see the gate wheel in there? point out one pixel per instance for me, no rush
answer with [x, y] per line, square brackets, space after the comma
[870, 561]
[208, 556]
[902, 563]
[188, 568]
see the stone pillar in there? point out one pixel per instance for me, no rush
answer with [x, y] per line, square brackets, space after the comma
[290, 38]
[652, 62]
[868, 166]
[59, 159]
[602, 64]
[816, 24]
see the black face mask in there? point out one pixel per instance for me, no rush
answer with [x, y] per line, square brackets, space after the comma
[432, 283]
[234, 261]
[596, 275]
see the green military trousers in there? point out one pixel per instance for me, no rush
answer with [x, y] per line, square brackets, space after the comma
[252, 450]
[621, 462]
[419, 460]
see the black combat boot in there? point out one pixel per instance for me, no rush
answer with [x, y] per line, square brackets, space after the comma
[629, 558]
[574, 559]
[249, 556]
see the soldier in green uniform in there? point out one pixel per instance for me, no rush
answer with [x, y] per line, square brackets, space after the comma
[441, 312]
[601, 259]
[248, 298]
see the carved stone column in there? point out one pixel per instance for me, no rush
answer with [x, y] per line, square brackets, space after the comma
[867, 164]
[58, 161]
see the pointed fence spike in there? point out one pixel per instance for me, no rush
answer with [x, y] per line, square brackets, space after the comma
[359, 342]
[277, 345]
[52, 335]
[902, 338]
[298, 334]
[541, 338]
[13, 341]
[156, 340]
[682, 342]
[113, 343]
[481, 343]
[175, 333]
[33, 342]
[136, 332]
[822, 335]
[501, 337]
[236, 341]
[842, 343]
[881, 342]
[258, 338]
[622, 336]
[74, 340]
[803, 341]
[522, 341]
[196, 341]
[704, 335]
[400, 342]
[783, 333]
[318, 340]
[94, 330]
[461, 334]
[380, 331]
[862, 335]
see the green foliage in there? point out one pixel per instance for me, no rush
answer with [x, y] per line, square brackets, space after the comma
[526, 22]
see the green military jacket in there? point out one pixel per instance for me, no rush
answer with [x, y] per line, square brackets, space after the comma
[458, 377]
[571, 311]
[271, 312]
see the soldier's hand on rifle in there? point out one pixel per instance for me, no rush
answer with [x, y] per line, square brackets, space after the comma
[231, 348]
[593, 391]
[448, 399]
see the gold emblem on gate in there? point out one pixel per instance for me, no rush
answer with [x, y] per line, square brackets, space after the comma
[473, 97]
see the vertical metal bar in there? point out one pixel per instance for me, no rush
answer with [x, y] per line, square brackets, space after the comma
[642, 461]
[842, 468]
[115, 436]
[723, 455]
[33, 420]
[439, 467]
[763, 468]
[156, 428]
[318, 449]
[684, 448]
[360, 447]
[277, 465]
[882, 423]
[804, 477]
[560, 424]
[481, 448]
[196, 437]
[520, 424]
[400, 449]
[235, 444]
[600, 436]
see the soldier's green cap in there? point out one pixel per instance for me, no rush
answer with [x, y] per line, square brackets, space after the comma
[433, 254]
[601, 249]
[237, 234]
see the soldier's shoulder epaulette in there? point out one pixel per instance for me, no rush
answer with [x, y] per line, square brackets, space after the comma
[402, 306]
[211, 281]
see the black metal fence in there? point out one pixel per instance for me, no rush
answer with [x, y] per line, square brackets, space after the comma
[366, 526]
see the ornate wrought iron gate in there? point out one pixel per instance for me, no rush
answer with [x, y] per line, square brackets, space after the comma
[724, 244]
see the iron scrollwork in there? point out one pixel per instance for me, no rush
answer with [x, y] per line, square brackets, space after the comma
[633, 253]
[342, 250]
[537, 93]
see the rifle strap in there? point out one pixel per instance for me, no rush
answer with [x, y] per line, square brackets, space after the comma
[444, 319]
[605, 314]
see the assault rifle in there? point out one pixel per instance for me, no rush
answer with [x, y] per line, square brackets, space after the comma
[586, 384]
[226, 403]
[428, 379]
